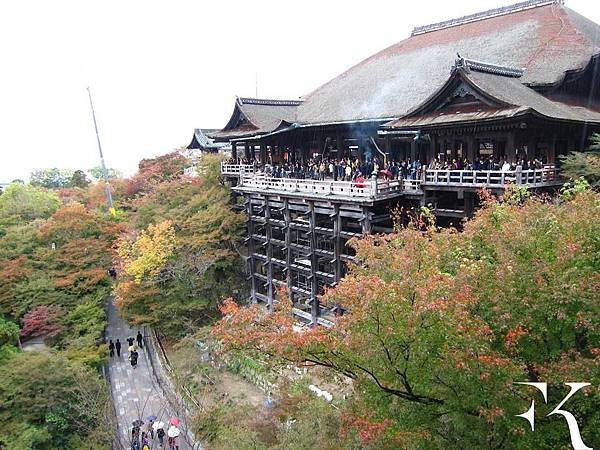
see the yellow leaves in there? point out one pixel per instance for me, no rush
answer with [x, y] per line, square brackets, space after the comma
[149, 253]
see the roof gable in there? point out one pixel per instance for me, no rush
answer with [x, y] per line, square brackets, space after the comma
[459, 92]
[481, 93]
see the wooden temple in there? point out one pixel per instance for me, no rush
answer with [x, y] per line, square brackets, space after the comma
[494, 85]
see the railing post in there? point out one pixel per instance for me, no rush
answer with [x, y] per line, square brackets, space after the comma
[373, 186]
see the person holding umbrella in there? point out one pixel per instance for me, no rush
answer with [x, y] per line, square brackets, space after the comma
[150, 426]
[159, 427]
[172, 434]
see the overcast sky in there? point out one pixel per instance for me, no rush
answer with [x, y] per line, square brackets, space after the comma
[158, 69]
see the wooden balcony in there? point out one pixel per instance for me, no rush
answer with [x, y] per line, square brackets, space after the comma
[491, 179]
[370, 190]
[364, 192]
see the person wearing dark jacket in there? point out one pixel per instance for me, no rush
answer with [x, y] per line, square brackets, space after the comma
[111, 348]
[118, 348]
[139, 338]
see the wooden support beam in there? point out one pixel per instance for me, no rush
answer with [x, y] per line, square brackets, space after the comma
[366, 221]
[269, 235]
[314, 260]
[287, 216]
[337, 244]
[251, 252]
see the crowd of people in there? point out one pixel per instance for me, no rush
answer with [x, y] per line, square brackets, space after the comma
[348, 169]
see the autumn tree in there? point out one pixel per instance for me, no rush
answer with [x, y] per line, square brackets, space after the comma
[61, 263]
[42, 321]
[441, 324]
[181, 256]
[153, 171]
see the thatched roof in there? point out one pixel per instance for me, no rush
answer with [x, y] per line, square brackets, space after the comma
[544, 38]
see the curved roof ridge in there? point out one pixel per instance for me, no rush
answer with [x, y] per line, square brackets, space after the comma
[267, 102]
[483, 15]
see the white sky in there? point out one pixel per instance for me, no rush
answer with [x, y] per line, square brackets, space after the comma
[158, 69]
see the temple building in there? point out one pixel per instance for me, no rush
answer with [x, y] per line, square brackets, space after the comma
[517, 83]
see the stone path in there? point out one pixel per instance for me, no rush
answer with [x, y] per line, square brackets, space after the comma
[136, 393]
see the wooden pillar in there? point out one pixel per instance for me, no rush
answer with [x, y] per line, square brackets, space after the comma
[340, 145]
[387, 147]
[247, 152]
[413, 150]
[469, 199]
[263, 153]
[251, 251]
[287, 217]
[304, 152]
[471, 148]
[314, 261]
[234, 151]
[269, 235]
[366, 220]
[431, 152]
[337, 244]
[551, 156]
[511, 146]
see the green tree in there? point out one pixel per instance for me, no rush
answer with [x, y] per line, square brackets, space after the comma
[97, 173]
[79, 180]
[49, 402]
[51, 178]
[585, 164]
[22, 203]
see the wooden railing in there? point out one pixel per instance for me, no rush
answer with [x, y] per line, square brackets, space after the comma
[369, 189]
[237, 169]
[411, 185]
[492, 178]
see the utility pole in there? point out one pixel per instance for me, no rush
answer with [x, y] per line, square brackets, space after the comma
[109, 199]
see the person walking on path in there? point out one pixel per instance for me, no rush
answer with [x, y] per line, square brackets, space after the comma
[130, 341]
[135, 437]
[139, 338]
[133, 358]
[160, 434]
[111, 348]
[118, 348]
